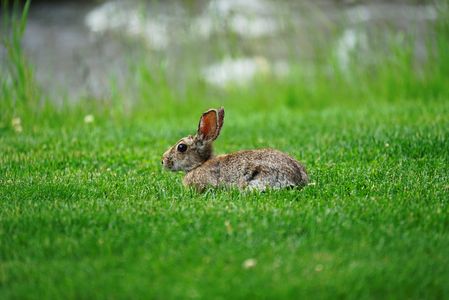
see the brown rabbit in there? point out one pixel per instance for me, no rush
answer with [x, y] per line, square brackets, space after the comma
[253, 169]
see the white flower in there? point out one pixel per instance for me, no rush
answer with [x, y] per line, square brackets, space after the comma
[16, 124]
[249, 263]
[89, 119]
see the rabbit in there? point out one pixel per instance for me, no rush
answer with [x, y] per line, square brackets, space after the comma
[247, 169]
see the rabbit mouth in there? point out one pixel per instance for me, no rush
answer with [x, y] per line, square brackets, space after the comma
[175, 166]
[172, 166]
[167, 164]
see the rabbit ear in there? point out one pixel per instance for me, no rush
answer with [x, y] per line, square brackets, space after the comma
[210, 124]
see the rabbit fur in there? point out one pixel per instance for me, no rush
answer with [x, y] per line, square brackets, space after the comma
[247, 169]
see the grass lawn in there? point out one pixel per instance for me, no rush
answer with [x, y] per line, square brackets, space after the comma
[87, 212]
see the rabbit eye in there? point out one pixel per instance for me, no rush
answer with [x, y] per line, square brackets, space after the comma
[182, 147]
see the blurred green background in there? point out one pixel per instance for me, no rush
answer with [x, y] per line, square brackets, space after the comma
[129, 55]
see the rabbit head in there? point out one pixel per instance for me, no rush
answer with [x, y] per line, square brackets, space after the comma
[192, 151]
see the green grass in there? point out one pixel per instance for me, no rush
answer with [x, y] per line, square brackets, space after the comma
[86, 210]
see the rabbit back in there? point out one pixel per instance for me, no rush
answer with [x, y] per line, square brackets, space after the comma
[252, 169]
